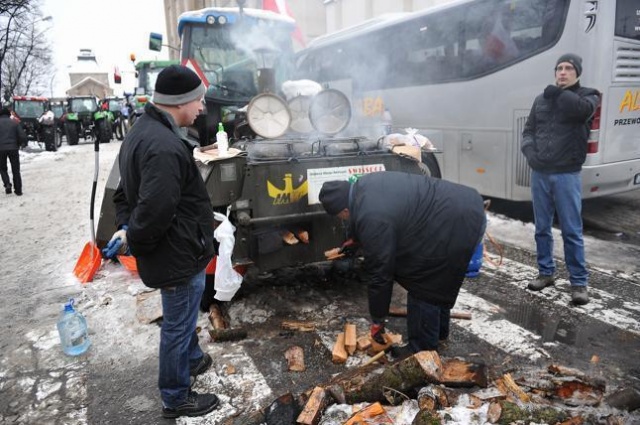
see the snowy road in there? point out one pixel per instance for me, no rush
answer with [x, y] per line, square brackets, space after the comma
[43, 233]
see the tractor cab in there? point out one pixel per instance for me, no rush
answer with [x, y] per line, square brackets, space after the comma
[28, 109]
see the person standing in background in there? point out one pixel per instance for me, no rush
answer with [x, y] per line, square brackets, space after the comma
[554, 141]
[12, 138]
[164, 217]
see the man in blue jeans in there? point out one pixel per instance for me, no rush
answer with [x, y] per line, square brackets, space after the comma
[164, 216]
[415, 230]
[554, 141]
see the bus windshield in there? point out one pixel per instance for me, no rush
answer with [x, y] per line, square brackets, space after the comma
[231, 55]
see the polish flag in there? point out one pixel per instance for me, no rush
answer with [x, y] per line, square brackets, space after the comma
[281, 7]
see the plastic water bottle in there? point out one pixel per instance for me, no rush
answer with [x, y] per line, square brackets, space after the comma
[222, 140]
[72, 328]
[473, 269]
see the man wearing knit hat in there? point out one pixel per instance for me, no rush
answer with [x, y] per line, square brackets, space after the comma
[164, 217]
[415, 230]
[554, 141]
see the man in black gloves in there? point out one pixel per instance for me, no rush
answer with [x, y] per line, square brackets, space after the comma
[554, 141]
[418, 231]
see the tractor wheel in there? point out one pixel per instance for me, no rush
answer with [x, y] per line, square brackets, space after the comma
[71, 132]
[103, 131]
[58, 138]
[119, 129]
[50, 141]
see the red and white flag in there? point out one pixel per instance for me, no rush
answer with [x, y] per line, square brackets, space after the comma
[281, 7]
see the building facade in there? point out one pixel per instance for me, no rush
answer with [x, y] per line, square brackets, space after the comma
[87, 78]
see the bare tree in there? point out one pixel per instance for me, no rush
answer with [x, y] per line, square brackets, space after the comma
[25, 53]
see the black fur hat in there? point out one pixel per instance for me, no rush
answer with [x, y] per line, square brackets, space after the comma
[334, 196]
[573, 59]
[177, 85]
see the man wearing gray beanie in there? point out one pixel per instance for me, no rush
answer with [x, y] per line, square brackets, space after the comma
[415, 230]
[164, 219]
[554, 141]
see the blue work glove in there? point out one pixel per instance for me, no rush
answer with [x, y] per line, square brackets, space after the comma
[117, 244]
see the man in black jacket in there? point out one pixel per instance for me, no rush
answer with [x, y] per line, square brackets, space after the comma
[164, 217]
[418, 231]
[554, 141]
[12, 137]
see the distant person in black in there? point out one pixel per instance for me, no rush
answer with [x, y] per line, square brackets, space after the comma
[12, 137]
[415, 230]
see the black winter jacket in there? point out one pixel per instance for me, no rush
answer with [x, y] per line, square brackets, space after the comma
[416, 230]
[555, 136]
[162, 198]
[12, 135]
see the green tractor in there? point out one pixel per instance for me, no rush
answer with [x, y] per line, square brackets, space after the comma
[84, 118]
[120, 122]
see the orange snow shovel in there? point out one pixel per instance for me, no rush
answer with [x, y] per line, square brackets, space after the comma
[90, 258]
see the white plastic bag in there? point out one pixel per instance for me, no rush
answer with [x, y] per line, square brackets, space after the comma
[227, 280]
[411, 138]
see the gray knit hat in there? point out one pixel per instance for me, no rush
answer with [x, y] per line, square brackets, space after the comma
[573, 59]
[177, 85]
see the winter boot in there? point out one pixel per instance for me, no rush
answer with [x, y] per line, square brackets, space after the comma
[579, 295]
[541, 282]
[195, 405]
[7, 190]
[202, 367]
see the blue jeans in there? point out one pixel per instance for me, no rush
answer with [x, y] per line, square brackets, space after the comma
[559, 193]
[426, 324]
[179, 349]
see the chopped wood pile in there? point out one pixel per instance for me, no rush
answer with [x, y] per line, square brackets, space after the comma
[370, 395]
[426, 388]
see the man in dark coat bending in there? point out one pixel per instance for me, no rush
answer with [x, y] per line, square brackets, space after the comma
[418, 231]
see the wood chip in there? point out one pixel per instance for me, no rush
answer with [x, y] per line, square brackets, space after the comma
[293, 325]
[295, 358]
[303, 236]
[339, 353]
[350, 342]
[333, 254]
[289, 238]
[314, 407]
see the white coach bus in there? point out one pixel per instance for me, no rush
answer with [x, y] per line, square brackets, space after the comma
[465, 74]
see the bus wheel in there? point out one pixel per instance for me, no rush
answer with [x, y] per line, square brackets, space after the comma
[429, 165]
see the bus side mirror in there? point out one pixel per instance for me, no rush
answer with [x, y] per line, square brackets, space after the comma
[155, 41]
